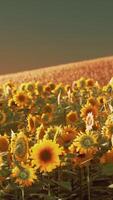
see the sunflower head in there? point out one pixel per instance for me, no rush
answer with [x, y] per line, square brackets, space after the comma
[21, 99]
[101, 100]
[30, 87]
[40, 132]
[19, 147]
[71, 117]
[67, 136]
[90, 82]
[46, 155]
[92, 101]
[88, 108]
[24, 175]
[86, 142]
[31, 123]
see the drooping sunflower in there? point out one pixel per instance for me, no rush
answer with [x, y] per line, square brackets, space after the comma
[25, 175]
[3, 117]
[19, 146]
[85, 142]
[46, 155]
[88, 108]
[31, 123]
[21, 99]
[4, 143]
[67, 136]
[40, 132]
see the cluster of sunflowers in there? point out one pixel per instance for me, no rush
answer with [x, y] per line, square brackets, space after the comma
[48, 133]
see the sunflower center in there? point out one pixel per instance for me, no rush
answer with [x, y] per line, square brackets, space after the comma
[46, 155]
[87, 142]
[24, 175]
[21, 98]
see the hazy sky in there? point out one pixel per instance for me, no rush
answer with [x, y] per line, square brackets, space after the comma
[36, 33]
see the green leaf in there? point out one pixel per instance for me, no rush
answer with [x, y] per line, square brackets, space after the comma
[107, 169]
[64, 184]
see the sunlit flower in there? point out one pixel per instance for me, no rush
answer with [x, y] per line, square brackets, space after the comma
[46, 155]
[31, 123]
[40, 132]
[67, 136]
[85, 142]
[21, 99]
[19, 146]
[87, 108]
[25, 175]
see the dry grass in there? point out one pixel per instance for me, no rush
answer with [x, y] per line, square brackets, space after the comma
[100, 69]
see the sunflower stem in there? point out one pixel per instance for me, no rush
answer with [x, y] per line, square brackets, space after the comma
[81, 183]
[88, 182]
[22, 191]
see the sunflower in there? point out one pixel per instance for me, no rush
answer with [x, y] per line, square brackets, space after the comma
[2, 117]
[108, 130]
[19, 146]
[25, 175]
[101, 100]
[90, 82]
[92, 101]
[88, 108]
[4, 143]
[40, 132]
[38, 88]
[31, 123]
[46, 155]
[30, 87]
[71, 117]
[85, 142]
[67, 136]
[21, 99]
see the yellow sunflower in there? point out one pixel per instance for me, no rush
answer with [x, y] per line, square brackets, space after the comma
[92, 101]
[88, 108]
[24, 176]
[4, 143]
[21, 99]
[31, 123]
[45, 155]
[85, 142]
[2, 117]
[19, 146]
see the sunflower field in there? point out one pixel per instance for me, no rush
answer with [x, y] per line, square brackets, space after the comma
[56, 141]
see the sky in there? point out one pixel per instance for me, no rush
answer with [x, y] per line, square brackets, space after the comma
[40, 33]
